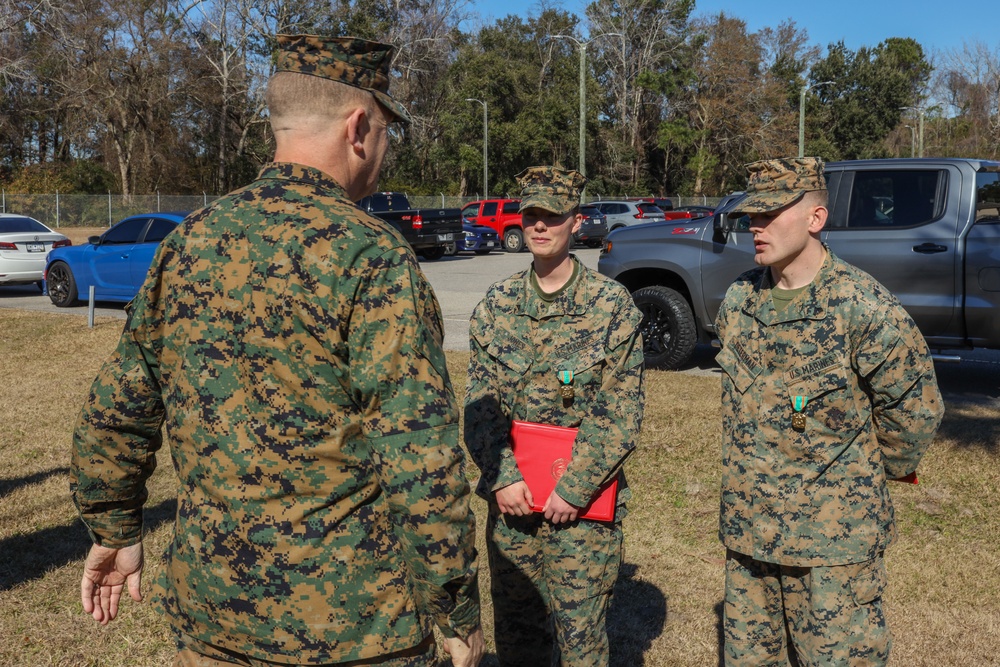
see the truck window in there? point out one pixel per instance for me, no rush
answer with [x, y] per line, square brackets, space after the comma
[988, 197]
[512, 207]
[470, 211]
[489, 208]
[909, 198]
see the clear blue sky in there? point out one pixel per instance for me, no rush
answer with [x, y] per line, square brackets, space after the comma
[937, 24]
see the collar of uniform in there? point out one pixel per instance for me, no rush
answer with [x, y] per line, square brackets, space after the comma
[572, 301]
[811, 304]
[291, 171]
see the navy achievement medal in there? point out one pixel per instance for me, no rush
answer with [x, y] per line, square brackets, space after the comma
[798, 418]
[566, 388]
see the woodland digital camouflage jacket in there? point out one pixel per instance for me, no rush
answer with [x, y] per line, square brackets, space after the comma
[520, 343]
[292, 346]
[817, 495]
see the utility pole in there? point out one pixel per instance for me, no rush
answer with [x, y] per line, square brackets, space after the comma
[802, 114]
[582, 165]
[486, 140]
[920, 124]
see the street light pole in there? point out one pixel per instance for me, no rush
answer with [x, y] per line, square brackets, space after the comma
[582, 165]
[913, 139]
[802, 114]
[486, 142]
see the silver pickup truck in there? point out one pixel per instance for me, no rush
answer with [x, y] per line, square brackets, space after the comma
[928, 229]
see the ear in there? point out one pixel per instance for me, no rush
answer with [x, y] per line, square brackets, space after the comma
[817, 219]
[577, 221]
[358, 128]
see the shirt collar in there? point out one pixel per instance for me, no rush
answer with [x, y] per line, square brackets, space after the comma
[572, 300]
[811, 304]
[291, 171]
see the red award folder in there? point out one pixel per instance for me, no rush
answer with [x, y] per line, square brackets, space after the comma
[542, 453]
[908, 479]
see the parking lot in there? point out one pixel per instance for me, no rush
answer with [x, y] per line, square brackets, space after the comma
[459, 282]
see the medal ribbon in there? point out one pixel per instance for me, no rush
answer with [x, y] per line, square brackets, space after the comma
[566, 377]
[799, 403]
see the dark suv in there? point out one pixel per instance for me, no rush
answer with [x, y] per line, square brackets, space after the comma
[593, 229]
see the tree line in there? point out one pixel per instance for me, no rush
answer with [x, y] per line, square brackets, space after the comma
[140, 96]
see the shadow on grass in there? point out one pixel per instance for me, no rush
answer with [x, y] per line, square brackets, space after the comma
[636, 618]
[8, 486]
[30, 556]
[971, 393]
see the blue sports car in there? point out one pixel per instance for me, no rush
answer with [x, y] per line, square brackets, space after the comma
[115, 262]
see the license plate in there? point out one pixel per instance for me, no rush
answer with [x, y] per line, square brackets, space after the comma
[446, 238]
[35, 247]
[489, 244]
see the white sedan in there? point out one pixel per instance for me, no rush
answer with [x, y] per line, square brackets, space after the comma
[24, 244]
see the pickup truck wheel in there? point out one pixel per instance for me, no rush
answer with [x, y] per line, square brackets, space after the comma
[668, 329]
[432, 254]
[513, 240]
[451, 249]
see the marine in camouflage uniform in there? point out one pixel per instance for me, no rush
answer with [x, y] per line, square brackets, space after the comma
[828, 391]
[552, 579]
[292, 348]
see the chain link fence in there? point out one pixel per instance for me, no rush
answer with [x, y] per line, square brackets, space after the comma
[57, 210]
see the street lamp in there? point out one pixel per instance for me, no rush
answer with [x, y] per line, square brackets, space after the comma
[802, 114]
[913, 139]
[920, 114]
[486, 141]
[583, 92]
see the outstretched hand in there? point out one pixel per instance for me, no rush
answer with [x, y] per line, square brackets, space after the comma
[105, 573]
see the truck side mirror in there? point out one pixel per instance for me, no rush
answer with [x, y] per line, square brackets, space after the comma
[722, 223]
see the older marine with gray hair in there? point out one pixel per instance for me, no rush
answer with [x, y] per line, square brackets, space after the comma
[291, 347]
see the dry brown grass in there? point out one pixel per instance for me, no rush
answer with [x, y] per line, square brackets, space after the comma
[944, 598]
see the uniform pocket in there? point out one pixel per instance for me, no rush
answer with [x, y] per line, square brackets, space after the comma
[869, 586]
[829, 401]
[738, 375]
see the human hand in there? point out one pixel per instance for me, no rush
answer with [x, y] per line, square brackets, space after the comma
[466, 653]
[515, 499]
[558, 510]
[105, 573]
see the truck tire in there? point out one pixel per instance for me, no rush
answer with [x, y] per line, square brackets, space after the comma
[451, 249]
[669, 334]
[432, 254]
[513, 240]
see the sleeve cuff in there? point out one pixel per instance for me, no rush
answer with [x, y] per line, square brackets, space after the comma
[575, 491]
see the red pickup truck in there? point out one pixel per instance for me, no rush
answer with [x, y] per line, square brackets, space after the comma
[501, 215]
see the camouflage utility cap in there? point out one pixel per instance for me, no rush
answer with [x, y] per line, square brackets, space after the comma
[777, 183]
[356, 62]
[551, 188]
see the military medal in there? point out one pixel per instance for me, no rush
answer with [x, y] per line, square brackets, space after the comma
[566, 388]
[798, 418]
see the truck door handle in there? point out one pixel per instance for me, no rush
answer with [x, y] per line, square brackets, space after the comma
[929, 248]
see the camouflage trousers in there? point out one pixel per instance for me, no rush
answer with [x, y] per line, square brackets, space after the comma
[778, 615]
[551, 586]
[192, 652]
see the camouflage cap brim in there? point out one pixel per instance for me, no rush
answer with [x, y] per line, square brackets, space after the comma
[766, 202]
[547, 201]
[395, 108]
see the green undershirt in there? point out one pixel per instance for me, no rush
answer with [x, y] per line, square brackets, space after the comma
[782, 297]
[550, 297]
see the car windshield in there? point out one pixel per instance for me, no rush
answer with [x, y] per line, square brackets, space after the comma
[650, 209]
[21, 226]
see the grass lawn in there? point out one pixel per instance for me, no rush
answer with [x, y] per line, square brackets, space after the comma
[943, 600]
